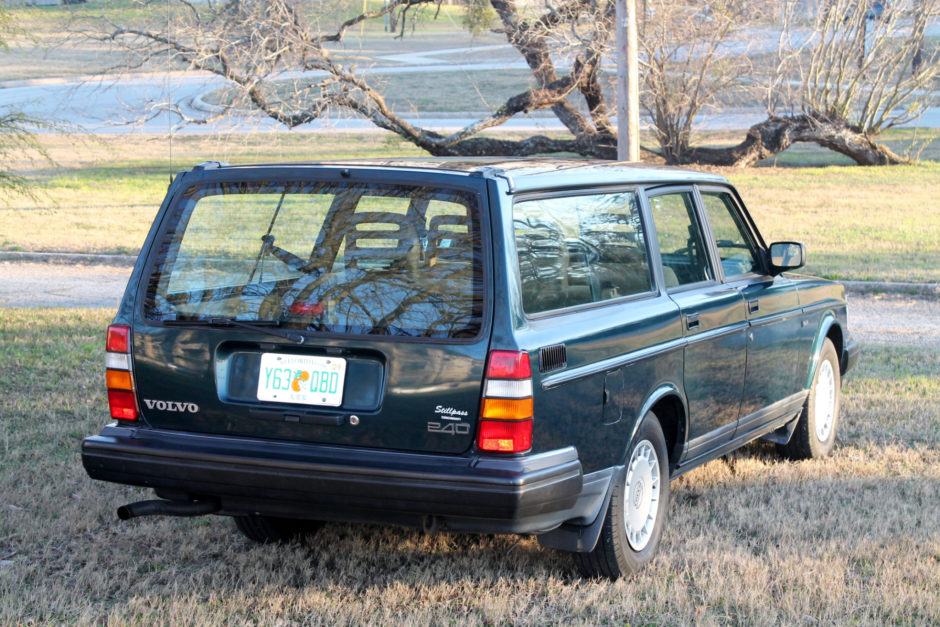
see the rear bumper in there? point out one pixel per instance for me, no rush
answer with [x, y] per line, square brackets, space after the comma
[527, 494]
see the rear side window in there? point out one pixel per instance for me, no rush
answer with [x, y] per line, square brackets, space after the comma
[577, 250]
[331, 257]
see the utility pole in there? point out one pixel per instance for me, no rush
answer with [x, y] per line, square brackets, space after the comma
[628, 83]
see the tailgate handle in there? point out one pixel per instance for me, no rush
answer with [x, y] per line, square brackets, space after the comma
[310, 419]
[306, 419]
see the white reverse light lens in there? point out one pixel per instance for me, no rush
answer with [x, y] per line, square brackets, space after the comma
[506, 388]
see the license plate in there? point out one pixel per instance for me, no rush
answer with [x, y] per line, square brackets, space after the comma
[302, 379]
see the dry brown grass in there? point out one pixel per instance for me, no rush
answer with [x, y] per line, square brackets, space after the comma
[752, 539]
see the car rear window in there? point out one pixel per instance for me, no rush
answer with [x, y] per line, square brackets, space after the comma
[331, 257]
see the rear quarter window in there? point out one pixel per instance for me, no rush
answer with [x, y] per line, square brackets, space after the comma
[577, 250]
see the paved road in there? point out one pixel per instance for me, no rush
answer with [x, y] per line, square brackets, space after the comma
[61, 285]
[879, 318]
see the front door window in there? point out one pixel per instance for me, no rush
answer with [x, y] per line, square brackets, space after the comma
[735, 245]
[685, 259]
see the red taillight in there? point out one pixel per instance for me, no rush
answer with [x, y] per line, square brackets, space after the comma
[507, 405]
[509, 436]
[122, 404]
[118, 373]
[508, 365]
[117, 342]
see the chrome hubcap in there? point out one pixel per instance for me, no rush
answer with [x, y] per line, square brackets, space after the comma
[641, 495]
[825, 405]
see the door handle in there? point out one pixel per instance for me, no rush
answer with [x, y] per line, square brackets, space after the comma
[753, 306]
[692, 321]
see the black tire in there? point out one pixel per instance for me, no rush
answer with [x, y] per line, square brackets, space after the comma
[616, 554]
[815, 433]
[266, 529]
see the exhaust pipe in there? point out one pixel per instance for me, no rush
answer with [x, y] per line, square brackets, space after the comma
[168, 508]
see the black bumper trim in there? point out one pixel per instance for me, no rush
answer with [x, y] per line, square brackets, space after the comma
[515, 494]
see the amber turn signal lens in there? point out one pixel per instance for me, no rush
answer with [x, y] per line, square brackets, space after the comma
[119, 380]
[507, 408]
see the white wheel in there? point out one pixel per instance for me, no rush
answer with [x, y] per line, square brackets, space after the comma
[825, 401]
[815, 434]
[641, 498]
[633, 523]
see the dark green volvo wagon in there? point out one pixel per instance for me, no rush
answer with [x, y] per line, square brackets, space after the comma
[532, 347]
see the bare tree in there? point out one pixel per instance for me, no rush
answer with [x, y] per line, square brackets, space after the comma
[17, 130]
[280, 63]
[853, 75]
[688, 62]
[847, 80]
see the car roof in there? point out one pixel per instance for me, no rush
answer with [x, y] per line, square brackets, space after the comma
[525, 174]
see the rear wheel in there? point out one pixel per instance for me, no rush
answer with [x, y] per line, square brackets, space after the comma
[638, 507]
[815, 433]
[267, 529]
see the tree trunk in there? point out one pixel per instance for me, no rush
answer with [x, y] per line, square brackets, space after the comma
[597, 146]
[776, 134]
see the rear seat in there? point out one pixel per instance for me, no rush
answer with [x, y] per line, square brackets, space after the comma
[400, 247]
[449, 252]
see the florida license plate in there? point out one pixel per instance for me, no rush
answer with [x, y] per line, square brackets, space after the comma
[302, 379]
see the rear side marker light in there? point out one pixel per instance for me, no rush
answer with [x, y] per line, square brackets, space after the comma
[507, 408]
[118, 376]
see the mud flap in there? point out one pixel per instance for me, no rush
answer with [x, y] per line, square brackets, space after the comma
[783, 434]
[576, 538]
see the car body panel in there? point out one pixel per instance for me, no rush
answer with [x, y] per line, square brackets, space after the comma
[420, 395]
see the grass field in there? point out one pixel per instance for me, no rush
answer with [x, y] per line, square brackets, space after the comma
[858, 223]
[752, 539]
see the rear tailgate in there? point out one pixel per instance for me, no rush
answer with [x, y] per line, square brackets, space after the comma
[385, 283]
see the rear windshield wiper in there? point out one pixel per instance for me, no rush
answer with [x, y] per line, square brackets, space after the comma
[261, 326]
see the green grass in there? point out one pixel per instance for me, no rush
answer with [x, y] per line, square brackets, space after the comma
[858, 223]
[106, 195]
[751, 538]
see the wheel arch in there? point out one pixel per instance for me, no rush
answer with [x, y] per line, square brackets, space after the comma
[667, 402]
[829, 328]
